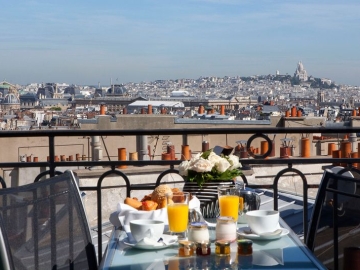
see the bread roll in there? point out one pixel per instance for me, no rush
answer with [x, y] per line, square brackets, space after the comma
[178, 197]
[174, 190]
[162, 204]
[133, 203]
[159, 194]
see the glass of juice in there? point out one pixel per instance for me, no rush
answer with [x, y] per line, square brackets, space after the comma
[241, 205]
[229, 201]
[178, 213]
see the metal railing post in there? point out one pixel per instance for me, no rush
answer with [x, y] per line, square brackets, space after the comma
[52, 155]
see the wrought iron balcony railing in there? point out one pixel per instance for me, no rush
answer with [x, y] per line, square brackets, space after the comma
[255, 159]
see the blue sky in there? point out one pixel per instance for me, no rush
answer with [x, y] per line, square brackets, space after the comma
[87, 42]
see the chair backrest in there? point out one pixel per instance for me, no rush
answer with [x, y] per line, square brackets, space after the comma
[45, 225]
[4, 250]
[335, 222]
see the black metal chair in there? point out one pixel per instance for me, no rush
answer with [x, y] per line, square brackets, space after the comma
[4, 249]
[44, 225]
[335, 222]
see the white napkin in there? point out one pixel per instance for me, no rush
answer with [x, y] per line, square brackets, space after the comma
[126, 213]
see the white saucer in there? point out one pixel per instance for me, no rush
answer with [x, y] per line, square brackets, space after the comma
[169, 241]
[246, 233]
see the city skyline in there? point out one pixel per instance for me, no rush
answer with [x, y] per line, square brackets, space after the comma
[90, 42]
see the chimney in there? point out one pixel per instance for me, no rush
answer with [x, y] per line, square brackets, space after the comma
[222, 109]
[122, 157]
[201, 109]
[102, 109]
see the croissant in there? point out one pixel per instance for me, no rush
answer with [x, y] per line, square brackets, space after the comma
[133, 202]
[149, 205]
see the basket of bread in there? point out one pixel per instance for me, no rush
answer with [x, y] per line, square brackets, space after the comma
[155, 200]
[151, 206]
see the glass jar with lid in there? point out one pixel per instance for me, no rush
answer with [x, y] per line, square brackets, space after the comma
[198, 232]
[225, 229]
[203, 248]
[244, 247]
[222, 248]
[186, 248]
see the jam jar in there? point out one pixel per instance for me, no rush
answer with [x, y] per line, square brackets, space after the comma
[222, 248]
[203, 248]
[186, 248]
[198, 232]
[244, 247]
[225, 228]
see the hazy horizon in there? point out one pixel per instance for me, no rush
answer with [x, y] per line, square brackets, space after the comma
[90, 42]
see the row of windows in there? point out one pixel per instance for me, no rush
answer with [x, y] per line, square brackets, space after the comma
[29, 104]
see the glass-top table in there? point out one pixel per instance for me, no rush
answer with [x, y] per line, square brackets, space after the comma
[287, 252]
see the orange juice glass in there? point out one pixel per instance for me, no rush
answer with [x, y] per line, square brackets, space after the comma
[229, 201]
[178, 212]
[241, 205]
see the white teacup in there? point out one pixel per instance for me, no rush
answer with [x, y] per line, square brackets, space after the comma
[141, 228]
[263, 221]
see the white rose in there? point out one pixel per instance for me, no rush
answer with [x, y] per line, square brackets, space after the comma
[184, 167]
[214, 158]
[234, 161]
[202, 165]
[194, 159]
[222, 165]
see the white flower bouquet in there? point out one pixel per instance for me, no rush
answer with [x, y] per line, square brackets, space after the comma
[208, 166]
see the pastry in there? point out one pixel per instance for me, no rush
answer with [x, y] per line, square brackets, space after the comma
[133, 203]
[175, 190]
[178, 197]
[159, 194]
[149, 205]
[162, 204]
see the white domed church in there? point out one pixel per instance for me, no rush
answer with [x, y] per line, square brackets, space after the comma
[300, 72]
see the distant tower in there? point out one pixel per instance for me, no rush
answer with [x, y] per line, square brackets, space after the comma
[300, 72]
[321, 97]
[352, 102]
[56, 92]
[277, 73]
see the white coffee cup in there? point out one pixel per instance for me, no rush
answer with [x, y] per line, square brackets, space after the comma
[141, 228]
[263, 221]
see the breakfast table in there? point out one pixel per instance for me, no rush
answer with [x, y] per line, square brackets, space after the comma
[283, 252]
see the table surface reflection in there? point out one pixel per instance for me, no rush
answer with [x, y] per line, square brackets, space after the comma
[287, 252]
